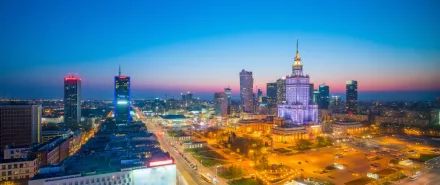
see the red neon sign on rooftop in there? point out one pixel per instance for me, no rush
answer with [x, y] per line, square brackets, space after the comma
[72, 77]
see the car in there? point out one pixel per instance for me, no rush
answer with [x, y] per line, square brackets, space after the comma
[299, 162]
[307, 161]
[355, 174]
[414, 177]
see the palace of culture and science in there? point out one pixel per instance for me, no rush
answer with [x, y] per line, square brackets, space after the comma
[297, 109]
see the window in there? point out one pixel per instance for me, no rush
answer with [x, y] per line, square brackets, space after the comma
[21, 165]
[3, 173]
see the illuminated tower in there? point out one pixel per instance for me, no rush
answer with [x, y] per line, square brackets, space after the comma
[228, 93]
[297, 107]
[122, 99]
[351, 98]
[246, 91]
[72, 99]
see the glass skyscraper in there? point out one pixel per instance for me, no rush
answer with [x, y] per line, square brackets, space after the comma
[122, 99]
[324, 97]
[72, 99]
[246, 91]
[271, 94]
[351, 98]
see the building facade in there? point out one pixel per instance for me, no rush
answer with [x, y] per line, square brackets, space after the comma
[122, 101]
[351, 98]
[15, 169]
[297, 108]
[221, 104]
[20, 125]
[72, 99]
[229, 95]
[281, 90]
[324, 97]
[246, 91]
[271, 94]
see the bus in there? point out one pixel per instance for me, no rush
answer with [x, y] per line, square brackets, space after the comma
[206, 178]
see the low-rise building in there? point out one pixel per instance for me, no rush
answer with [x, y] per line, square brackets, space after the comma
[348, 128]
[18, 168]
[48, 135]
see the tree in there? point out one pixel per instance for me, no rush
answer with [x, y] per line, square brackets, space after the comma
[320, 141]
[303, 144]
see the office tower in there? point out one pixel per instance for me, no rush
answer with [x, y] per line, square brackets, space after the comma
[20, 125]
[297, 108]
[271, 94]
[311, 89]
[259, 95]
[72, 99]
[281, 90]
[246, 91]
[324, 97]
[122, 99]
[335, 101]
[187, 99]
[228, 93]
[351, 98]
[221, 103]
[264, 100]
[315, 96]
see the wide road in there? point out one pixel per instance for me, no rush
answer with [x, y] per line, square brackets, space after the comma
[190, 175]
[431, 178]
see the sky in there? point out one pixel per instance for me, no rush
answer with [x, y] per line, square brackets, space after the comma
[169, 47]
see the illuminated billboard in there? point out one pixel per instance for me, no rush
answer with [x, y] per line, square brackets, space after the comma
[161, 175]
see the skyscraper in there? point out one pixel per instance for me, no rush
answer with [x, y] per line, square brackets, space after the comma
[122, 99]
[324, 97]
[246, 91]
[221, 104]
[259, 96]
[315, 98]
[351, 98]
[271, 94]
[311, 89]
[228, 93]
[297, 108]
[20, 124]
[281, 90]
[72, 99]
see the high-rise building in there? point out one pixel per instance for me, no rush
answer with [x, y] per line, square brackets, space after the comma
[221, 104]
[312, 88]
[20, 125]
[335, 101]
[259, 95]
[72, 99]
[324, 97]
[229, 94]
[122, 99]
[351, 98]
[315, 98]
[281, 90]
[297, 108]
[246, 91]
[271, 94]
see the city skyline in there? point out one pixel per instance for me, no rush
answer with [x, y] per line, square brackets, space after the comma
[389, 55]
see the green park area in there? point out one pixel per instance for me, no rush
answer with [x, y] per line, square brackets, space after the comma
[231, 171]
[207, 157]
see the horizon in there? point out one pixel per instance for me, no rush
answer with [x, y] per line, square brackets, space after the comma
[169, 49]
